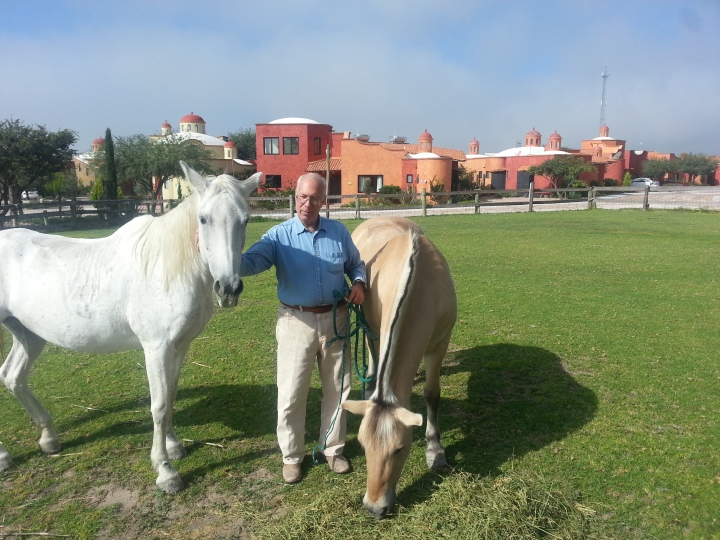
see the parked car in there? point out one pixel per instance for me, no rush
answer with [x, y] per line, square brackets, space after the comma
[30, 194]
[642, 182]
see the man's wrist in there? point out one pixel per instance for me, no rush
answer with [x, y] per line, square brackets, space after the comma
[361, 283]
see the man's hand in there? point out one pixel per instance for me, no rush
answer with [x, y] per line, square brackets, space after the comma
[356, 294]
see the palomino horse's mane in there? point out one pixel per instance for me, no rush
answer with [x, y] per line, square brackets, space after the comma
[384, 392]
[169, 240]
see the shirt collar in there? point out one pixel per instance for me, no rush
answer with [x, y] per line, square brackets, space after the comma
[299, 228]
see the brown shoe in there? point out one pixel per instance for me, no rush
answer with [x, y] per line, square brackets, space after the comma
[291, 473]
[339, 464]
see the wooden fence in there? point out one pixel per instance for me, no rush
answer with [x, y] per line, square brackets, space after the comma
[83, 213]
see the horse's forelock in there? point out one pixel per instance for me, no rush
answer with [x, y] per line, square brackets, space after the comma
[379, 426]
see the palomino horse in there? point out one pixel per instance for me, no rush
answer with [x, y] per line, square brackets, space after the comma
[411, 305]
[148, 286]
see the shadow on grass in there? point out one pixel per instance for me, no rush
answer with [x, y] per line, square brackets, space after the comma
[519, 399]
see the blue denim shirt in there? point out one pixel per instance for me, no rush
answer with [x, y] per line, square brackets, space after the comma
[309, 266]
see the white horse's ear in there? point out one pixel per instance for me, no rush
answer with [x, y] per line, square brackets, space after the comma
[408, 418]
[198, 181]
[356, 407]
[250, 185]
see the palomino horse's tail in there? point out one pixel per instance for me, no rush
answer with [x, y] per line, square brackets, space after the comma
[399, 311]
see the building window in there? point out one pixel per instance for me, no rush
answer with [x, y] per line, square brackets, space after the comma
[370, 183]
[290, 145]
[273, 180]
[316, 142]
[272, 145]
[409, 179]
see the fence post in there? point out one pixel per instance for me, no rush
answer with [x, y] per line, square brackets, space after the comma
[645, 198]
[291, 205]
[45, 219]
[423, 201]
[531, 196]
[14, 212]
[591, 198]
[73, 214]
[477, 202]
[357, 206]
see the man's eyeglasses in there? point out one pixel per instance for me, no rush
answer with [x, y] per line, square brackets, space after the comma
[302, 199]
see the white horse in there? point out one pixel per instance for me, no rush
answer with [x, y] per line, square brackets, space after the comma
[148, 286]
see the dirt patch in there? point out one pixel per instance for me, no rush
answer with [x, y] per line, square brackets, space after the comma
[110, 494]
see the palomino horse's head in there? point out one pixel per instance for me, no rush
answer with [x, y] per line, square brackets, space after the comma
[222, 218]
[386, 435]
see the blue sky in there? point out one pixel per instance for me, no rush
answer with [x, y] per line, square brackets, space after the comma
[460, 69]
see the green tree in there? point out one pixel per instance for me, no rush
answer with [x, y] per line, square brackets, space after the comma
[64, 184]
[111, 179]
[627, 179]
[697, 165]
[29, 155]
[149, 163]
[244, 139]
[562, 170]
[656, 168]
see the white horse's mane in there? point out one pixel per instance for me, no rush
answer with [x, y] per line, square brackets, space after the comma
[169, 240]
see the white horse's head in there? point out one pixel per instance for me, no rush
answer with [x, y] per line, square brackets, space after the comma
[386, 435]
[222, 219]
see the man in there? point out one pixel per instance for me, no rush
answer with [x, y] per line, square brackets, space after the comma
[311, 256]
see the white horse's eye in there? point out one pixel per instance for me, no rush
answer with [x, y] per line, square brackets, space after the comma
[203, 221]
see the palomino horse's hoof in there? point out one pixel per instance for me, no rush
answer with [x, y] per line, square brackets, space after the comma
[168, 479]
[437, 461]
[5, 460]
[50, 446]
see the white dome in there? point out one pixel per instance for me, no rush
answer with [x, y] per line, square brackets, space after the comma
[528, 151]
[424, 155]
[293, 121]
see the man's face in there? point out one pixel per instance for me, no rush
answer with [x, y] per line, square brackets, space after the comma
[309, 198]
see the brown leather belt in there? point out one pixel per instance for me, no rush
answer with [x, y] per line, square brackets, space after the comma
[315, 309]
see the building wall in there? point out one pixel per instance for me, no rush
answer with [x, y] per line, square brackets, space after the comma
[439, 169]
[84, 174]
[291, 166]
[360, 158]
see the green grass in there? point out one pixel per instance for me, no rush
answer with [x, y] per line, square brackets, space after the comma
[580, 398]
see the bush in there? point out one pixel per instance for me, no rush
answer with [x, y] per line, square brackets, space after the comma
[390, 190]
[609, 182]
[627, 179]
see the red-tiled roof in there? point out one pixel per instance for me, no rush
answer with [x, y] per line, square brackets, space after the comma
[458, 155]
[321, 165]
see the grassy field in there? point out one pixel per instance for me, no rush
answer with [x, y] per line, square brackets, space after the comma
[579, 400]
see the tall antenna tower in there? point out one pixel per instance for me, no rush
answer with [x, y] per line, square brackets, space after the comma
[604, 76]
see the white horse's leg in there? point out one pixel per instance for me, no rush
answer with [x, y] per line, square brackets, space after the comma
[434, 453]
[14, 374]
[175, 448]
[159, 363]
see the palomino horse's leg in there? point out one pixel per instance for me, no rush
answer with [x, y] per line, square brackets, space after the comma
[14, 374]
[434, 453]
[175, 448]
[161, 372]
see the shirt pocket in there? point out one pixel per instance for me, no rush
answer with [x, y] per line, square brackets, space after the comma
[335, 263]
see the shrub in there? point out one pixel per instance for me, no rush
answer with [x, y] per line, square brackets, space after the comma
[627, 179]
[610, 182]
[390, 190]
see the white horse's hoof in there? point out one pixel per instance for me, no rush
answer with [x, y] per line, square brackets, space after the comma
[5, 460]
[49, 445]
[169, 480]
[175, 449]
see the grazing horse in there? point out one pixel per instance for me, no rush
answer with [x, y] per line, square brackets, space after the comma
[411, 305]
[148, 286]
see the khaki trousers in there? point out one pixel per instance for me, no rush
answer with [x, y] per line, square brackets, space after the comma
[301, 338]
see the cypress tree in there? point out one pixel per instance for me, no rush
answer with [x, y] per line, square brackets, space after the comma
[111, 186]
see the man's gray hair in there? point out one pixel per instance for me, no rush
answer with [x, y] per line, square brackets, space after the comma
[313, 176]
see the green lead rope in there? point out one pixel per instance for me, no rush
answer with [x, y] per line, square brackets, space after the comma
[359, 329]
